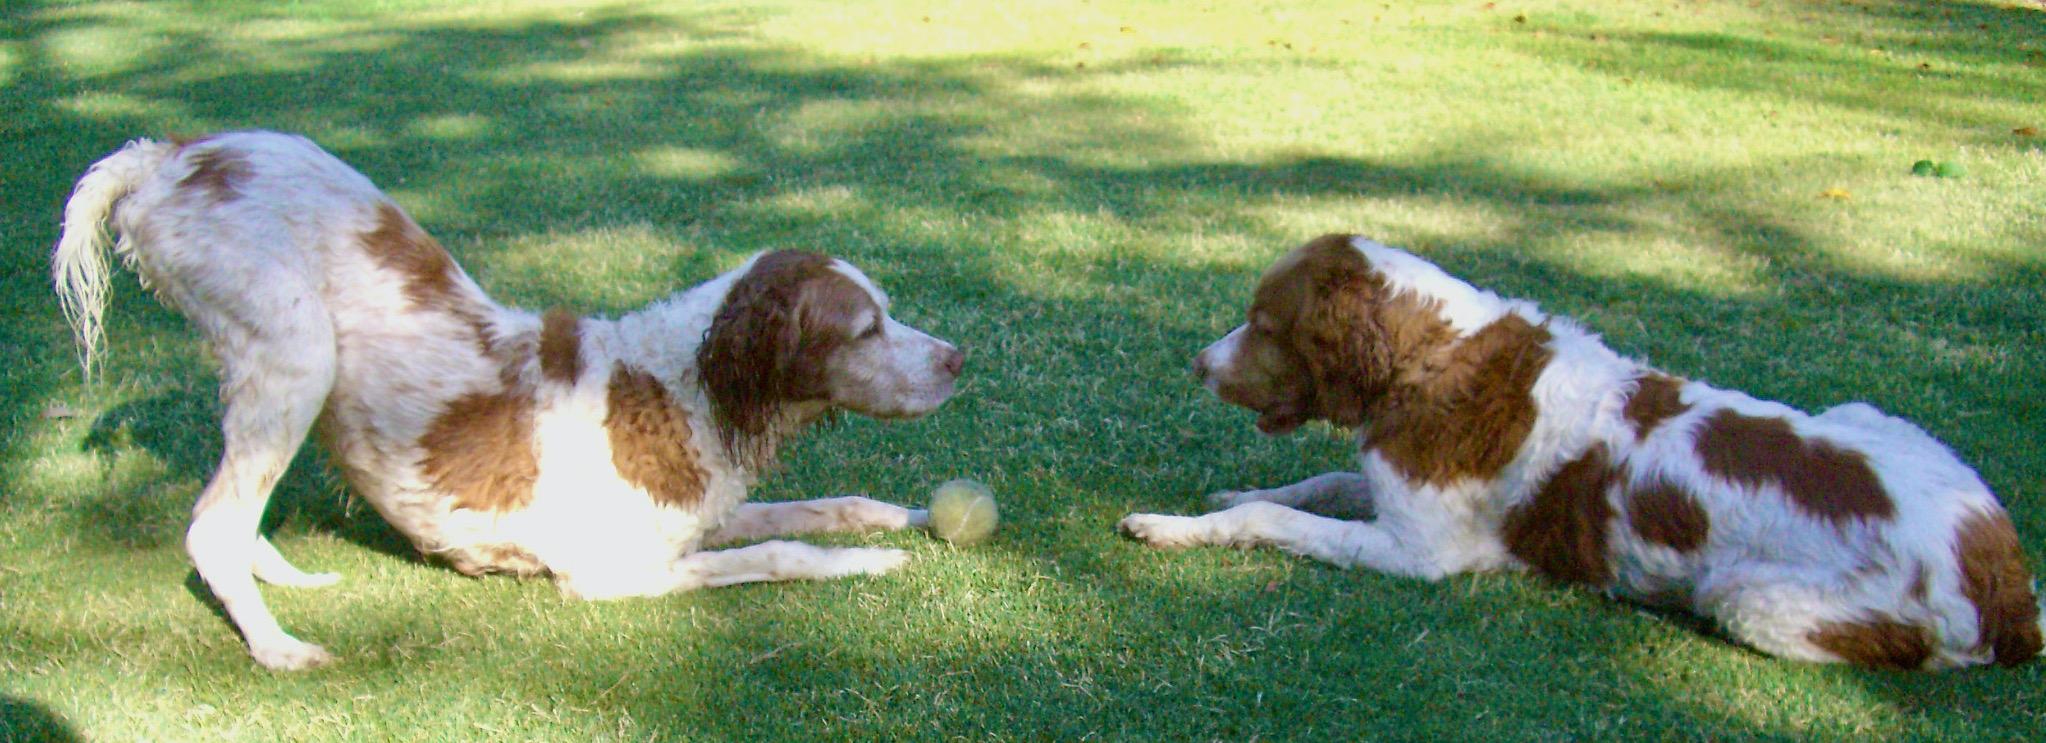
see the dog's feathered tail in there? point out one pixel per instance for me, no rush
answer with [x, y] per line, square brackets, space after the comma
[79, 264]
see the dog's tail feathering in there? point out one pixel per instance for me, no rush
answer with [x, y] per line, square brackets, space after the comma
[79, 265]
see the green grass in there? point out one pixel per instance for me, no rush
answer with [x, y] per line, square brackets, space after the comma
[1081, 194]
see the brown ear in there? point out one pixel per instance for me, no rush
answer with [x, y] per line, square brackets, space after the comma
[753, 360]
[1341, 335]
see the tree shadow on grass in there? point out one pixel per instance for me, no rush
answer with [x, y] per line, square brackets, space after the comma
[1078, 409]
[24, 721]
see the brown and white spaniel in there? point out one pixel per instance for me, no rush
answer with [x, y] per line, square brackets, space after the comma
[605, 452]
[1495, 436]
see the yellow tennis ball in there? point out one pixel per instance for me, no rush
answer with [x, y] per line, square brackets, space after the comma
[962, 511]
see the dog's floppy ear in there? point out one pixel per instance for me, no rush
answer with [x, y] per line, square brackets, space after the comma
[1341, 335]
[1327, 304]
[753, 360]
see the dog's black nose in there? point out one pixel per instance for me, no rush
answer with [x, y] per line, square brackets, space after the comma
[953, 361]
[1200, 367]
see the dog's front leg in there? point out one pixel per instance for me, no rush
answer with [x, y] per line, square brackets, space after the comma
[1378, 545]
[783, 560]
[1338, 495]
[850, 513]
[766, 561]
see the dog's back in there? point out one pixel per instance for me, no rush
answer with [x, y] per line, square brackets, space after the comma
[224, 222]
[1847, 535]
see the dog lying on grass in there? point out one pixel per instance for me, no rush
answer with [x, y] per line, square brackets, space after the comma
[1495, 436]
[604, 452]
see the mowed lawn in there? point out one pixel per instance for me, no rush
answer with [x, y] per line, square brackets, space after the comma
[1081, 194]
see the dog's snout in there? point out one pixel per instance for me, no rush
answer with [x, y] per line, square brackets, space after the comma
[1200, 367]
[952, 361]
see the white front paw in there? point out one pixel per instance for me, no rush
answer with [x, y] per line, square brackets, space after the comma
[870, 560]
[289, 654]
[1159, 530]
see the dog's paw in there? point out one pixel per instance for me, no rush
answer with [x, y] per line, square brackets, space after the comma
[871, 560]
[866, 514]
[1159, 530]
[290, 654]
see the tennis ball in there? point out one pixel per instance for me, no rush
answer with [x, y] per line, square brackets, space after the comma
[1924, 168]
[962, 511]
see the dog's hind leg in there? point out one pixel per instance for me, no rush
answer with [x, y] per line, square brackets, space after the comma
[1337, 495]
[275, 343]
[1796, 618]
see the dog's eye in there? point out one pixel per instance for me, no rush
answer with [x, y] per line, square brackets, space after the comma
[872, 331]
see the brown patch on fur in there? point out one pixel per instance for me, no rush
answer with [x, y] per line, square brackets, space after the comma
[561, 346]
[1561, 532]
[480, 450]
[1826, 481]
[767, 346]
[400, 246]
[432, 280]
[650, 440]
[1882, 643]
[1467, 412]
[1664, 514]
[1994, 578]
[1656, 399]
[220, 173]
